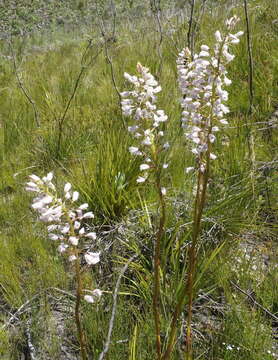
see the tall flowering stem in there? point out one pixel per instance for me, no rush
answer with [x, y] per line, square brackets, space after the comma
[146, 129]
[67, 227]
[202, 83]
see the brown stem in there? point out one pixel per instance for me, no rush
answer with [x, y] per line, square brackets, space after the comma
[77, 309]
[157, 255]
[199, 206]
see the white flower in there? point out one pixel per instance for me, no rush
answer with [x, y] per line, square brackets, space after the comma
[83, 206]
[163, 191]
[89, 299]
[72, 258]
[35, 178]
[91, 235]
[75, 196]
[67, 187]
[65, 229]
[141, 179]
[53, 237]
[97, 293]
[88, 215]
[92, 258]
[144, 167]
[82, 231]
[73, 240]
[218, 36]
[189, 169]
[133, 150]
[76, 225]
[62, 248]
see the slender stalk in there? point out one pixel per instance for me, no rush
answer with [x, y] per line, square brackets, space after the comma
[198, 211]
[77, 308]
[190, 33]
[157, 257]
[250, 58]
[250, 138]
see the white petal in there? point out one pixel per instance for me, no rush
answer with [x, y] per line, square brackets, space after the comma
[73, 240]
[67, 187]
[89, 299]
[92, 258]
[72, 258]
[91, 235]
[75, 195]
[88, 215]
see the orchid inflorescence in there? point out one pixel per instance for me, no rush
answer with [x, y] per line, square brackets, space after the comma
[202, 78]
[141, 104]
[65, 219]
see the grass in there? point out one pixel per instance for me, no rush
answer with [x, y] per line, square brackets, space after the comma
[239, 239]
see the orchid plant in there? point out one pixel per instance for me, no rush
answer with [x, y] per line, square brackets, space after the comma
[66, 225]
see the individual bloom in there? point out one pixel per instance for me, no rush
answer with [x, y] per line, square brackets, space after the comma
[82, 231]
[73, 240]
[83, 206]
[75, 196]
[67, 195]
[144, 167]
[147, 141]
[97, 293]
[223, 121]
[163, 191]
[67, 187]
[47, 179]
[90, 299]
[72, 258]
[65, 229]
[88, 215]
[35, 178]
[165, 166]
[134, 150]
[91, 235]
[189, 169]
[92, 258]
[76, 225]
[62, 248]
[218, 36]
[52, 227]
[141, 179]
[212, 156]
[53, 237]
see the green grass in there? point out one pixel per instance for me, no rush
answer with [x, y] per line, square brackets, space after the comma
[93, 156]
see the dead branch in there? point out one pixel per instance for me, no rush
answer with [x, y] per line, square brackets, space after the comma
[113, 314]
[265, 310]
[22, 87]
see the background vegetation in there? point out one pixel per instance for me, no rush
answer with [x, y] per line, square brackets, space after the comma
[59, 110]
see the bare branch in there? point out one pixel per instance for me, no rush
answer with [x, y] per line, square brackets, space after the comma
[22, 87]
[76, 85]
[265, 310]
[113, 314]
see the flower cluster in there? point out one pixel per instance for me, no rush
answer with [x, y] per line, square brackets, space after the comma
[140, 103]
[65, 219]
[202, 80]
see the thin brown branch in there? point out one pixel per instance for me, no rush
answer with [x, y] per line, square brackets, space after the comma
[22, 87]
[75, 88]
[113, 314]
[265, 310]
[190, 33]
